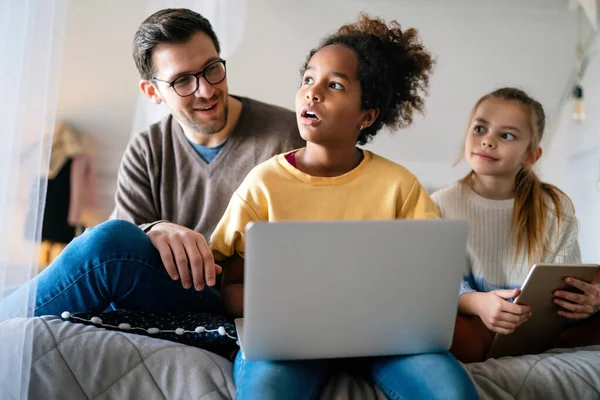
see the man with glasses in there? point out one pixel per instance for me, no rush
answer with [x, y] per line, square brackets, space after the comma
[174, 183]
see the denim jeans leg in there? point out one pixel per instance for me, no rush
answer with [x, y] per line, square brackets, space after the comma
[423, 376]
[113, 264]
[275, 380]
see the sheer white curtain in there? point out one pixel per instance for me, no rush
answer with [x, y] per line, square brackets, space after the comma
[227, 18]
[32, 36]
[32, 33]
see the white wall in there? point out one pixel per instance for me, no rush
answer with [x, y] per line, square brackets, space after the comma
[98, 88]
[572, 162]
[479, 44]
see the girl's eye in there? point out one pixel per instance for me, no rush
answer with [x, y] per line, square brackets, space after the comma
[479, 129]
[336, 86]
[508, 136]
[308, 80]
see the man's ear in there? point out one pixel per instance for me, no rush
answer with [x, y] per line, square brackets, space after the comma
[150, 91]
[532, 157]
[369, 117]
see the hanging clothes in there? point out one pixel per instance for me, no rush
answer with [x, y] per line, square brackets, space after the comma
[55, 225]
[68, 148]
[71, 187]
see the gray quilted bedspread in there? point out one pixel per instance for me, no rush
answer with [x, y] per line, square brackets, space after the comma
[74, 361]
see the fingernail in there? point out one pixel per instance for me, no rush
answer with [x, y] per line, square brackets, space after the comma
[211, 282]
[175, 277]
[568, 280]
[187, 285]
[199, 287]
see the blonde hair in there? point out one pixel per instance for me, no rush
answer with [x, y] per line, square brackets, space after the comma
[530, 194]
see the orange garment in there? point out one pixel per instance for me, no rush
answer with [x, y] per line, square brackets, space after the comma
[472, 339]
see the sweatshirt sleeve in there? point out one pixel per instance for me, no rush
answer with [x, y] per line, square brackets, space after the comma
[229, 236]
[467, 285]
[567, 249]
[133, 199]
[417, 204]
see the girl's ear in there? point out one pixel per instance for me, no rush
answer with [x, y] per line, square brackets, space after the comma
[532, 157]
[368, 117]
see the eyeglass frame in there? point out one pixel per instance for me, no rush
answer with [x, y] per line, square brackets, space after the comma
[197, 76]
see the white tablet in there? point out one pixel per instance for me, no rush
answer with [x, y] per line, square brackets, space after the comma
[543, 327]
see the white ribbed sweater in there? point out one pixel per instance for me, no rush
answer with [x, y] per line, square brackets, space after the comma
[491, 249]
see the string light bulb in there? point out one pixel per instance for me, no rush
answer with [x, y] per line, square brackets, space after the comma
[579, 113]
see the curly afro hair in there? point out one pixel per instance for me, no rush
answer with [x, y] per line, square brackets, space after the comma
[393, 70]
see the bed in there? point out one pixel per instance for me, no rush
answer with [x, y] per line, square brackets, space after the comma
[75, 361]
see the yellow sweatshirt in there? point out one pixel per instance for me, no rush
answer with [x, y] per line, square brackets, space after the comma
[378, 189]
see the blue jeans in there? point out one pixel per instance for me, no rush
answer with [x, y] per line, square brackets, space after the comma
[113, 265]
[422, 376]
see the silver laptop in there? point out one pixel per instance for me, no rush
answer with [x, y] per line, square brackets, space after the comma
[351, 289]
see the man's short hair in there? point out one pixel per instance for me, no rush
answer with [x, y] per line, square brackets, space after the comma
[171, 25]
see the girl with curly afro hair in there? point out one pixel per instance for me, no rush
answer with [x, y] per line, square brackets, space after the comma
[365, 76]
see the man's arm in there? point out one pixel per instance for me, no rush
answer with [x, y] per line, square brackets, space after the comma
[184, 253]
[134, 200]
[232, 289]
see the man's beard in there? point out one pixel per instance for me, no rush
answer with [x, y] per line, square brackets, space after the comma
[211, 130]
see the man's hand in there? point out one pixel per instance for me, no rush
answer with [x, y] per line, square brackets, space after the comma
[579, 306]
[183, 251]
[499, 314]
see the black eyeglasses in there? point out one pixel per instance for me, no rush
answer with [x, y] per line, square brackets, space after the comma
[186, 85]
